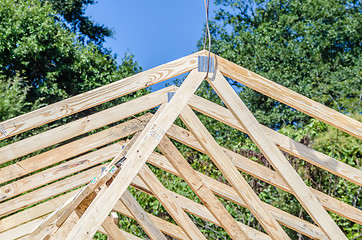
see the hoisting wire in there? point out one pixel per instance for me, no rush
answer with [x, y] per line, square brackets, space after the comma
[207, 34]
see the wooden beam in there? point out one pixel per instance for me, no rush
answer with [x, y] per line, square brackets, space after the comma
[114, 217]
[233, 176]
[176, 212]
[126, 234]
[141, 216]
[160, 161]
[198, 209]
[48, 191]
[267, 175]
[72, 149]
[289, 97]
[202, 191]
[137, 156]
[283, 142]
[112, 230]
[88, 192]
[86, 196]
[230, 194]
[275, 157]
[34, 212]
[99, 95]
[60, 171]
[20, 231]
[165, 226]
[83, 125]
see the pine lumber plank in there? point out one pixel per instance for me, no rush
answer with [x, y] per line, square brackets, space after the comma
[275, 157]
[126, 234]
[34, 212]
[62, 232]
[89, 192]
[112, 230]
[165, 226]
[197, 209]
[25, 229]
[136, 157]
[72, 149]
[48, 191]
[289, 97]
[229, 193]
[20, 231]
[62, 227]
[85, 196]
[267, 175]
[141, 216]
[57, 172]
[228, 223]
[83, 125]
[99, 95]
[171, 206]
[232, 175]
[281, 141]
[108, 225]
[114, 217]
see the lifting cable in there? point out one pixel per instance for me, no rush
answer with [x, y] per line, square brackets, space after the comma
[207, 34]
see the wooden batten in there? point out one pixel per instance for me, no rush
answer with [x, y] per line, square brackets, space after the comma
[289, 97]
[276, 158]
[67, 192]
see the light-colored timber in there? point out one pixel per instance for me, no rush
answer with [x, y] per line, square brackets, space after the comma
[141, 216]
[83, 125]
[64, 181]
[227, 192]
[275, 157]
[230, 172]
[289, 97]
[137, 156]
[169, 203]
[267, 175]
[98, 96]
[286, 144]
[202, 191]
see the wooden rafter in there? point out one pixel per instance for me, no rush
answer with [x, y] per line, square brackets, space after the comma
[98, 96]
[141, 216]
[172, 207]
[230, 172]
[229, 193]
[275, 157]
[267, 175]
[198, 209]
[289, 97]
[84, 125]
[75, 162]
[201, 190]
[138, 154]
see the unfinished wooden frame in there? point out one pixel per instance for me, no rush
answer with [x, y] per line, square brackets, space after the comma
[40, 196]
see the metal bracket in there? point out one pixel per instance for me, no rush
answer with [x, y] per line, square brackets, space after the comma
[170, 95]
[119, 163]
[202, 64]
[2, 130]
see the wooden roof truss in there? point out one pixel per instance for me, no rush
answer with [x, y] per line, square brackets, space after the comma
[80, 213]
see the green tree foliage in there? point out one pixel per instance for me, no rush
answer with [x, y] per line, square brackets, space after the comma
[12, 98]
[71, 14]
[312, 47]
[48, 56]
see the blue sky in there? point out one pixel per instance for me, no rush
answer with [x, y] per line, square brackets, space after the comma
[156, 32]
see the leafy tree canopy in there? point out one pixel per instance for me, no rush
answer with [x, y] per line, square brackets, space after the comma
[312, 47]
[50, 58]
[71, 14]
